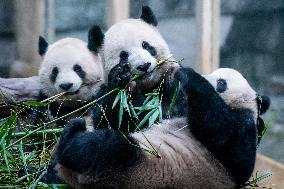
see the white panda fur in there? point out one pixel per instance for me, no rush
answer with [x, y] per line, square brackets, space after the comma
[64, 54]
[239, 93]
[69, 65]
[128, 35]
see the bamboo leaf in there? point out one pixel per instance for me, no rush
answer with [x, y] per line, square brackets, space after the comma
[120, 111]
[146, 100]
[153, 117]
[125, 103]
[8, 123]
[132, 109]
[151, 94]
[117, 98]
[146, 118]
[22, 156]
[35, 103]
[9, 136]
[160, 114]
[5, 157]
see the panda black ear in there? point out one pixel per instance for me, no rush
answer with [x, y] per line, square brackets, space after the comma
[148, 16]
[263, 103]
[95, 38]
[42, 46]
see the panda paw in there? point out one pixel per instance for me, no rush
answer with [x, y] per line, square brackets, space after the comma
[119, 76]
[74, 126]
[183, 75]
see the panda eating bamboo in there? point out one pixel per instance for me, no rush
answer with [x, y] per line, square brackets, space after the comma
[213, 147]
[70, 66]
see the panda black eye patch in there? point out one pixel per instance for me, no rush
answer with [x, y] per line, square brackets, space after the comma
[149, 48]
[53, 74]
[221, 86]
[79, 71]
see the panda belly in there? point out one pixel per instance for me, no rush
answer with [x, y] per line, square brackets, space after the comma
[183, 162]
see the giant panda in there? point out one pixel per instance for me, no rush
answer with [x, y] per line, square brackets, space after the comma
[72, 66]
[135, 47]
[213, 147]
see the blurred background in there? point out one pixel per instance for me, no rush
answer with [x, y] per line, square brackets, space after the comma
[247, 35]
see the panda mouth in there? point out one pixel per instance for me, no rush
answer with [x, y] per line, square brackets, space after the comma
[73, 93]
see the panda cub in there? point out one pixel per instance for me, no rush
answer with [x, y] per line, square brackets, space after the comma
[213, 147]
[135, 47]
[72, 66]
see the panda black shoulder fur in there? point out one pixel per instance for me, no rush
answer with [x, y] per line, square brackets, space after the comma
[69, 65]
[134, 47]
[214, 147]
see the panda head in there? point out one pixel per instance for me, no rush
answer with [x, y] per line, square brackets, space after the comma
[142, 41]
[236, 91]
[69, 66]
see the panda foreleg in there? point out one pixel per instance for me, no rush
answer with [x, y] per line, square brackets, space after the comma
[241, 148]
[103, 114]
[95, 153]
[210, 119]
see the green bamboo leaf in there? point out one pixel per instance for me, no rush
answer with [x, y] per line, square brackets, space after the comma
[153, 117]
[146, 118]
[5, 157]
[8, 123]
[117, 98]
[151, 94]
[125, 105]
[146, 100]
[34, 185]
[9, 136]
[132, 109]
[149, 105]
[22, 156]
[35, 103]
[120, 110]
[150, 102]
[160, 114]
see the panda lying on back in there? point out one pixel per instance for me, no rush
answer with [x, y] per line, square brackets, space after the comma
[69, 65]
[214, 147]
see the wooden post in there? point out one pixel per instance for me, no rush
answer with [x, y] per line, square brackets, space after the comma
[49, 22]
[117, 10]
[208, 48]
[29, 24]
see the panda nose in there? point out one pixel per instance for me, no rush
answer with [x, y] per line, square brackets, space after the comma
[66, 86]
[144, 67]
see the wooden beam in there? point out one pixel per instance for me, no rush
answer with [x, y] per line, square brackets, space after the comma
[208, 45]
[19, 89]
[117, 10]
[266, 165]
[29, 24]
